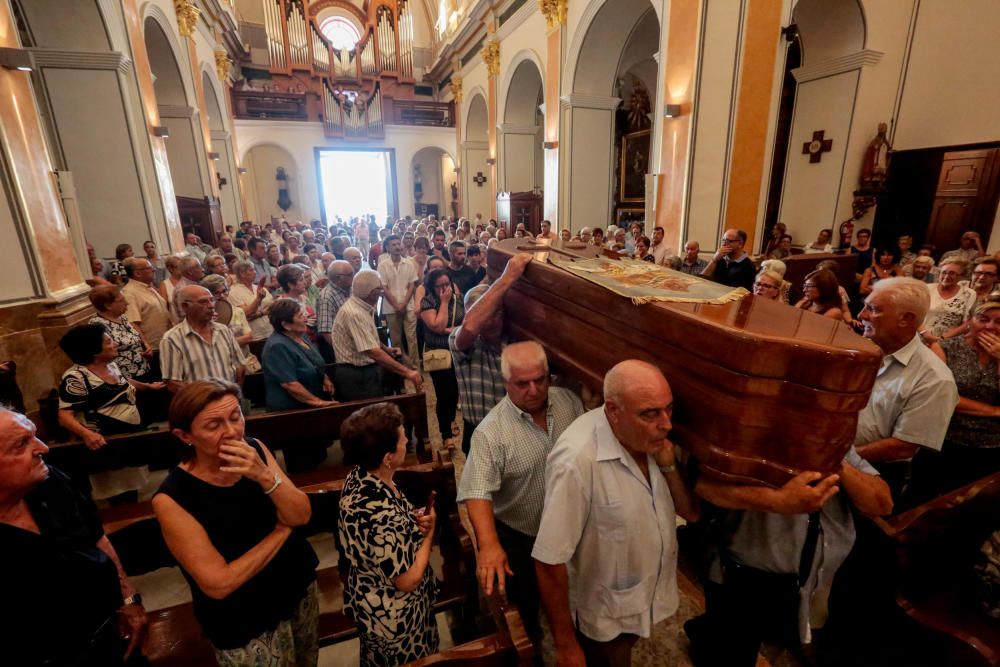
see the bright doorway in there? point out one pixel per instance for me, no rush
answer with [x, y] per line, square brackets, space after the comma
[356, 182]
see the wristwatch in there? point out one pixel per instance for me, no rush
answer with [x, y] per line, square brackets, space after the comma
[668, 469]
[135, 598]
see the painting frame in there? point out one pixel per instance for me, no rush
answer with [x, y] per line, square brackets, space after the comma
[634, 145]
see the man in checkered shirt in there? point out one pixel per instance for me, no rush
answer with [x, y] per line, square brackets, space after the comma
[503, 483]
[475, 348]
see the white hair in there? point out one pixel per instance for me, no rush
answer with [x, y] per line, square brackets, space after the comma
[908, 295]
[526, 353]
[775, 265]
[365, 282]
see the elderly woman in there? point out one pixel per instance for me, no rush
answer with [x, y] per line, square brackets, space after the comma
[778, 267]
[215, 265]
[96, 399]
[767, 284]
[820, 294]
[226, 313]
[294, 370]
[294, 281]
[642, 245]
[441, 310]
[172, 265]
[389, 592]
[133, 350]
[971, 448]
[253, 299]
[950, 302]
[60, 565]
[227, 514]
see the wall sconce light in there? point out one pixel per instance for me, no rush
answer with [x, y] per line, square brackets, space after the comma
[242, 170]
[161, 131]
[222, 181]
[18, 59]
[491, 161]
[671, 110]
[550, 144]
[213, 155]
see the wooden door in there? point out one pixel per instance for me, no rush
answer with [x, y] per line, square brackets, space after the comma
[966, 197]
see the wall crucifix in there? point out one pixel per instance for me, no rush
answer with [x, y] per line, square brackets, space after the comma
[479, 178]
[815, 148]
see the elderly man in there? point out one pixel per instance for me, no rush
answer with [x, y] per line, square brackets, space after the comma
[147, 310]
[354, 257]
[970, 248]
[199, 348]
[192, 246]
[659, 250]
[475, 348]
[192, 272]
[357, 347]
[691, 263]
[226, 247]
[400, 277]
[67, 597]
[731, 265]
[914, 394]
[611, 490]
[503, 482]
[921, 269]
[337, 291]
[770, 573]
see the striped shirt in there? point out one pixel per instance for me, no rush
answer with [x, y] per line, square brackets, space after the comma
[480, 382]
[331, 298]
[354, 333]
[186, 357]
[506, 464]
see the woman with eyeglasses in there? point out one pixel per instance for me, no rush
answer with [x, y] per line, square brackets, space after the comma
[441, 310]
[767, 284]
[950, 301]
[233, 317]
[820, 295]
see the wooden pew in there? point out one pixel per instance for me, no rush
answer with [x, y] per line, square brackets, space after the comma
[159, 449]
[174, 638]
[797, 267]
[936, 545]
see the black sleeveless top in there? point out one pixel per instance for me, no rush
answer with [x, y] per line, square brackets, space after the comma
[236, 519]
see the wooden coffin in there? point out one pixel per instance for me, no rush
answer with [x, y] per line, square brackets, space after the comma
[763, 391]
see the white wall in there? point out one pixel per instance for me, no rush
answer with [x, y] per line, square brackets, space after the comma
[300, 139]
[262, 162]
[951, 91]
[16, 283]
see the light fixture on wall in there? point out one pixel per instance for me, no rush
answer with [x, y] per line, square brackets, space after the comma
[671, 110]
[550, 144]
[160, 131]
[491, 161]
[241, 170]
[18, 59]
[213, 155]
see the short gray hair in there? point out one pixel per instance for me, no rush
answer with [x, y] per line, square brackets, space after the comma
[242, 266]
[338, 264]
[908, 295]
[474, 295]
[188, 263]
[214, 282]
[775, 265]
[924, 259]
[365, 282]
[526, 352]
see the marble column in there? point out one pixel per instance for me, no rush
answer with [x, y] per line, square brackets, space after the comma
[587, 160]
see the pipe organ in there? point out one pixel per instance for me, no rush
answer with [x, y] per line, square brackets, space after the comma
[295, 42]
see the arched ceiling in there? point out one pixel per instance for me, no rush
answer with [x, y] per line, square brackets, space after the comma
[477, 124]
[829, 28]
[168, 85]
[523, 94]
[617, 25]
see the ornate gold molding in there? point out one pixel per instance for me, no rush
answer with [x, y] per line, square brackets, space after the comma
[491, 56]
[554, 11]
[222, 66]
[456, 88]
[187, 17]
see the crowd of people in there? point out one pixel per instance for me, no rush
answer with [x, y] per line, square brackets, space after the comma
[574, 510]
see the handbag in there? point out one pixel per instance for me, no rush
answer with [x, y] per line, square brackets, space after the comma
[252, 363]
[440, 359]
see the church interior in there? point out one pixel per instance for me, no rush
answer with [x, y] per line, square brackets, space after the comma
[811, 129]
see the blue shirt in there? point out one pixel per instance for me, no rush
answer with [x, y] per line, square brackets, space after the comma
[285, 361]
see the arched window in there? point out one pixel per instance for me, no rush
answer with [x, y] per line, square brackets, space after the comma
[341, 33]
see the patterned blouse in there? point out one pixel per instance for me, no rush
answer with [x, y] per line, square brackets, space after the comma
[978, 383]
[379, 538]
[945, 314]
[129, 360]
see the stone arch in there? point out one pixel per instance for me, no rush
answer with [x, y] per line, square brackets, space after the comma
[475, 116]
[829, 30]
[226, 173]
[437, 175]
[261, 160]
[518, 73]
[475, 151]
[519, 140]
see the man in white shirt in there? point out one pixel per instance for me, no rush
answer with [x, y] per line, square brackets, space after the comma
[399, 275]
[659, 249]
[607, 541]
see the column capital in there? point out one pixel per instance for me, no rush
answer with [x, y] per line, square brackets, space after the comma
[491, 56]
[456, 88]
[554, 12]
[222, 66]
[187, 17]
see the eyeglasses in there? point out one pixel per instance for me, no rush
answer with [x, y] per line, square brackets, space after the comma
[808, 286]
[984, 273]
[726, 241]
[765, 285]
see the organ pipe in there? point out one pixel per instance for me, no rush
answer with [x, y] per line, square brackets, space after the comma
[275, 37]
[297, 38]
[405, 32]
[386, 39]
[321, 54]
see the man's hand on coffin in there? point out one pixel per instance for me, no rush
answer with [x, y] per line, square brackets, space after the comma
[515, 267]
[805, 493]
[492, 564]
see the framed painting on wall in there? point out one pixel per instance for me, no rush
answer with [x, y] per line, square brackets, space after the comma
[633, 165]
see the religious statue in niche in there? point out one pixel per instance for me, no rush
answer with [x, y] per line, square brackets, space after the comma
[454, 191]
[875, 167]
[638, 106]
[418, 183]
[284, 201]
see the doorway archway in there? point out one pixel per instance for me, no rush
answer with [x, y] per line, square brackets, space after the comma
[521, 154]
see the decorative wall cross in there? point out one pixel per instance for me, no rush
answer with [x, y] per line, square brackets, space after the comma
[815, 148]
[479, 178]
[523, 216]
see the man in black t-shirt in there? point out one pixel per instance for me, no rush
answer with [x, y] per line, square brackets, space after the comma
[731, 265]
[475, 258]
[463, 276]
[66, 597]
